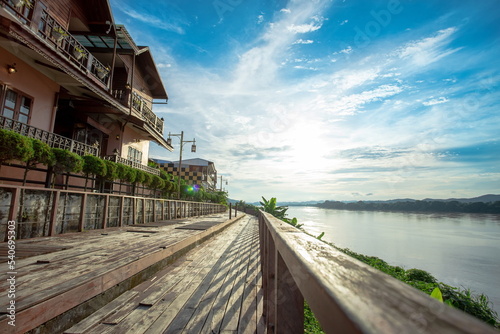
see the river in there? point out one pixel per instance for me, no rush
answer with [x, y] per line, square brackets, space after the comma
[458, 249]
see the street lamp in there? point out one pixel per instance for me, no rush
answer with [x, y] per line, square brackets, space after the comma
[221, 183]
[193, 149]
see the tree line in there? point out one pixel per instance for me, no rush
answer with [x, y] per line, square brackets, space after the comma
[415, 206]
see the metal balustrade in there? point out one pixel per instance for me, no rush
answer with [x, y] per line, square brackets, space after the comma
[51, 139]
[147, 114]
[133, 164]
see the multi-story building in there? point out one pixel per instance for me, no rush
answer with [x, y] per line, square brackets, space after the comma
[73, 78]
[194, 171]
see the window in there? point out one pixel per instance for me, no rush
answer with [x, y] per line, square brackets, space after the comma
[17, 106]
[134, 155]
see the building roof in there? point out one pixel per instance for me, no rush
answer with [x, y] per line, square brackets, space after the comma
[195, 162]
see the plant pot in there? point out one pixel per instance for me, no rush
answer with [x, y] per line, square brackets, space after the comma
[57, 35]
[77, 54]
[21, 3]
[102, 73]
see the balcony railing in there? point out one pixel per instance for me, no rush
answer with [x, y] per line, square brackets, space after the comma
[53, 32]
[52, 139]
[147, 114]
[133, 164]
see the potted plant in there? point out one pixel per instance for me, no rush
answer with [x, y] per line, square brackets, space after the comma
[58, 33]
[102, 72]
[21, 3]
[79, 53]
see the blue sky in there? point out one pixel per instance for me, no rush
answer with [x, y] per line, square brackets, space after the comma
[321, 99]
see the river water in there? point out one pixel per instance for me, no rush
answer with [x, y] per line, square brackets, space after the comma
[461, 250]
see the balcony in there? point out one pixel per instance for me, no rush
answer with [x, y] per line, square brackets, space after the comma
[46, 27]
[146, 113]
[133, 164]
[52, 139]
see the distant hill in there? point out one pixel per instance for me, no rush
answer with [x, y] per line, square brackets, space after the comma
[483, 198]
[305, 203]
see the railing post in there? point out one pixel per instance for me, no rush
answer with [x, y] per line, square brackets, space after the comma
[81, 220]
[230, 211]
[13, 210]
[289, 305]
[143, 211]
[105, 213]
[270, 294]
[120, 211]
[53, 214]
[134, 210]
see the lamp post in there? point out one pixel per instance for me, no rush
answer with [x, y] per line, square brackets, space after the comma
[221, 183]
[193, 149]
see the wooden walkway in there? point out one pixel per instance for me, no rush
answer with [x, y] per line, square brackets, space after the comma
[213, 288]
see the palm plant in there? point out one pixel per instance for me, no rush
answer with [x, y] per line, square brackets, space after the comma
[270, 206]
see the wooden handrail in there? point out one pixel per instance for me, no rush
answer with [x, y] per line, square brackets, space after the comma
[346, 295]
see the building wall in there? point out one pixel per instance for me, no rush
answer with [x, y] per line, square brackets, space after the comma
[134, 140]
[34, 84]
[191, 177]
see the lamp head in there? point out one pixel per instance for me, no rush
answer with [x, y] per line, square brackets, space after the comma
[11, 69]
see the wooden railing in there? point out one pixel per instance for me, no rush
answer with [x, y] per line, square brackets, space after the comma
[146, 113]
[53, 32]
[46, 212]
[346, 295]
[52, 139]
[133, 164]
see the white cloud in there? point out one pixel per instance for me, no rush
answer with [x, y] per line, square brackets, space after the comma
[346, 51]
[344, 22]
[430, 49]
[432, 102]
[153, 20]
[350, 104]
[304, 28]
[303, 41]
[285, 10]
[260, 19]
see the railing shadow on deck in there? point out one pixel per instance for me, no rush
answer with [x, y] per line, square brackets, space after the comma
[346, 295]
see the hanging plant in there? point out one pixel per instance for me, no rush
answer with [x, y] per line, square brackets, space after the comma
[79, 53]
[58, 33]
[23, 3]
[102, 72]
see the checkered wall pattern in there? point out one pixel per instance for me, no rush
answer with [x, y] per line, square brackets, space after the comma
[191, 177]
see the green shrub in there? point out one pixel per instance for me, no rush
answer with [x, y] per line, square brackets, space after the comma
[111, 170]
[130, 175]
[66, 161]
[148, 179]
[420, 275]
[157, 182]
[121, 171]
[13, 146]
[94, 165]
[42, 153]
[140, 176]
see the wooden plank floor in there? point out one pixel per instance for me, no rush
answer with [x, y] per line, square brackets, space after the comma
[65, 270]
[214, 288]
